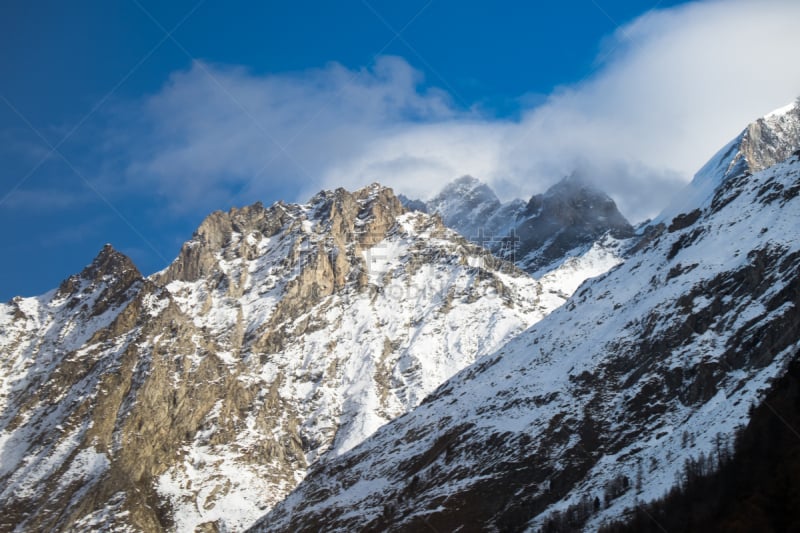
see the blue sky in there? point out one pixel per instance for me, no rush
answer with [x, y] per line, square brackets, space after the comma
[128, 122]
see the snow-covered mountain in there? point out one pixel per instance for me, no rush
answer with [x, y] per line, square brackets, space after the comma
[565, 222]
[563, 237]
[768, 140]
[600, 404]
[472, 208]
[197, 398]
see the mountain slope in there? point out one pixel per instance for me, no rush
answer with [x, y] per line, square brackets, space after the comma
[197, 398]
[600, 404]
[750, 485]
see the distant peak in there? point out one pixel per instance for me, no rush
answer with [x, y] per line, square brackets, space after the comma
[463, 185]
[109, 257]
[412, 204]
[575, 184]
[109, 261]
[469, 188]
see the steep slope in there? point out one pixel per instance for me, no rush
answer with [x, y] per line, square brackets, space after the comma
[197, 398]
[600, 404]
[54, 353]
[752, 484]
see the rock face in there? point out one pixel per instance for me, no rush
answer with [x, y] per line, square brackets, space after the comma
[600, 404]
[197, 398]
[770, 139]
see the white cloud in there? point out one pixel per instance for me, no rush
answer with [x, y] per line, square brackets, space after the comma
[677, 85]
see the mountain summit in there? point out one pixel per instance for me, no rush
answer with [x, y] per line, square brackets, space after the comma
[769, 140]
[569, 215]
[472, 208]
[539, 235]
[764, 142]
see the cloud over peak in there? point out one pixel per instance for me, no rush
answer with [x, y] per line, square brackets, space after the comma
[673, 87]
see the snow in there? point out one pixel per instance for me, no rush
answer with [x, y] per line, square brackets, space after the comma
[212, 486]
[563, 280]
[111, 512]
[88, 463]
[781, 123]
[781, 111]
[435, 317]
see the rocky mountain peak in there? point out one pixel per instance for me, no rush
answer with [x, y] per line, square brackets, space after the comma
[111, 272]
[468, 188]
[217, 228]
[765, 142]
[573, 190]
[110, 263]
[537, 235]
[772, 138]
[198, 256]
[360, 217]
[570, 214]
[459, 198]
[470, 207]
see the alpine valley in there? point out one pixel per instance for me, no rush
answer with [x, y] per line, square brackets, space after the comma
[366, 362]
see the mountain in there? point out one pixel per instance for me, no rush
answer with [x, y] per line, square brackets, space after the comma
[472, 208]
[281, 336]
[746, 485]
[568, 217]
[563, 223]
[768, 140]
[601, 404]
